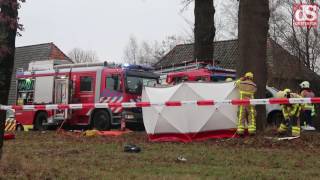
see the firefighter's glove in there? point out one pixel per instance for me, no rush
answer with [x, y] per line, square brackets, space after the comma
[313, 112]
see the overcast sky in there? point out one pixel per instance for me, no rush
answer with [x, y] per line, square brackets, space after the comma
[100, 25]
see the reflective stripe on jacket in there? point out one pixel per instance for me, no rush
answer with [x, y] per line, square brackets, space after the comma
[307, 93]
[290, 110]
[247, 88]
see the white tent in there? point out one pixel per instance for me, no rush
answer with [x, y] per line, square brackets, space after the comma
[190, 122]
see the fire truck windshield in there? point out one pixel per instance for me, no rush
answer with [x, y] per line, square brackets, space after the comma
[134, 84]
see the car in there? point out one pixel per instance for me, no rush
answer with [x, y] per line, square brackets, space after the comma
[274, 113]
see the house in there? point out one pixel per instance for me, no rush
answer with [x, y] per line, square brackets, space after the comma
[26, 54]
[284, 69]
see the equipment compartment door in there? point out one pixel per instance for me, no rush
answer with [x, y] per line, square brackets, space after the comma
[43, 90]
[61, 96]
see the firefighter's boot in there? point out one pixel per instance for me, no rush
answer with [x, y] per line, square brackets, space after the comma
[252, 120]
[295, 131]
[282, 129]
[240, 130]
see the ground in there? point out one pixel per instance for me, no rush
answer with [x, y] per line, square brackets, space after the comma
[48, 155]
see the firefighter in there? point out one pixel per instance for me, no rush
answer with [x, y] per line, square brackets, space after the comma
[307, 109]
[291, 113]
[246, 114]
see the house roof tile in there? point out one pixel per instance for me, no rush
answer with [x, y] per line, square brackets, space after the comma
[226, 52]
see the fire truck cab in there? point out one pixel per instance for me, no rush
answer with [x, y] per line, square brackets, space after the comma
[78, 84]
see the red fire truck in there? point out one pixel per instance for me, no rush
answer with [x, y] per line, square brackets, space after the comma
[81, 83]
[199, 72]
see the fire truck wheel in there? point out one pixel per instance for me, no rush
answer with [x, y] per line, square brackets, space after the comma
[41, 118]
[101, 120]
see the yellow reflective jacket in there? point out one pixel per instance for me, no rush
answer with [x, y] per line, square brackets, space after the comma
[307, 93]
[292, 110]
[247, 88]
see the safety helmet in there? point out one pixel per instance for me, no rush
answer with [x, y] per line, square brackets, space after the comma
[287, 90]
[287, 93]
[305, 84]
[229, 79]
[249, 75]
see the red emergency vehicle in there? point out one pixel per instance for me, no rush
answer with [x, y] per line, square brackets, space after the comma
[81, 83]
[202, 72]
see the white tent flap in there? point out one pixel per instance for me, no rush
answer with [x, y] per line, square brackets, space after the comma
[190, 122]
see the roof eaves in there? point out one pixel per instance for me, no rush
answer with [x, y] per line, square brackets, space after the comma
[54, 46]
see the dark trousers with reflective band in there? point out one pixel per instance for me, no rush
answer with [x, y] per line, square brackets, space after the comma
[308, 118]
[292, 124]
[246, 116]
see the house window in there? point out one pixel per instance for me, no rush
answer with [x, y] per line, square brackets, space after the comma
[86, 83]
[113, 83]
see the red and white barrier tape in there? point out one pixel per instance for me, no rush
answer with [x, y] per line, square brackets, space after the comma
[167, 103]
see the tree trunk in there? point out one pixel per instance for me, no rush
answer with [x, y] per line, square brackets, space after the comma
[204, 30]
[307, 50]
[8, 30]
[253, 32]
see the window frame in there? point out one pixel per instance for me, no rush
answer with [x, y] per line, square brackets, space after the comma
[119, 86]
[92, 83]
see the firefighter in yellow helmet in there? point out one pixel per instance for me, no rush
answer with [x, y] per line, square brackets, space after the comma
[246, 114]
[308, 110]
[291, 114]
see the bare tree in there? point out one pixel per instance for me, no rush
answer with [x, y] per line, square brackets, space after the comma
[82, 56]
[146, 54]
[229, 15]
[8, 31]
[149, 53]
[204, 30]
[168, 44]
[131, 51]
[225, 20]
[229, 12]
[302, 42]
[253, 33]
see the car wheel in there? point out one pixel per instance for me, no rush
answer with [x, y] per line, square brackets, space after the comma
[101, 121]
[41, 118]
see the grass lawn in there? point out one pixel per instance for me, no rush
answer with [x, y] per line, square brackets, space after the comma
[36, 155]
